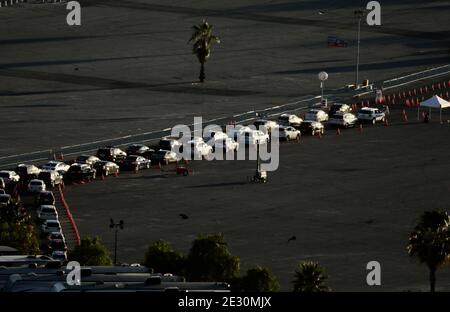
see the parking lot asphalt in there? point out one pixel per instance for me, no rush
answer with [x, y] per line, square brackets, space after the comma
[349, 199]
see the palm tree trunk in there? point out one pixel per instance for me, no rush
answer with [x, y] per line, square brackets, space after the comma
[202, 72]
[432, 280]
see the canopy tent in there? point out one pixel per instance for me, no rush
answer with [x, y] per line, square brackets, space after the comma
[434, 102]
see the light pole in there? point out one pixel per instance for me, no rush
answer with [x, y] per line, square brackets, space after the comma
[322, 77]
[359, 15]
[116, 227]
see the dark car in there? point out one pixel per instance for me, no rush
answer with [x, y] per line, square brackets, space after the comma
[136, 149]
[45, 198]
[135, 162]
[51, 178]
[106, 168]
[57, 244]
[27, 172]
[110, 153]
[148, 153]
[164, 157]
[80, 172]
[311, 127]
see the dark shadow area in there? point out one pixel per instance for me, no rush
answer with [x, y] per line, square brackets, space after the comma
[369, 67]
[219, 184]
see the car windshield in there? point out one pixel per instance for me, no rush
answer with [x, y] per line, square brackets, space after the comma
[366, 111]
[338, 117]
[35, 183]
[82, 158]
[162, 153]
[132, 158]
[4, 174]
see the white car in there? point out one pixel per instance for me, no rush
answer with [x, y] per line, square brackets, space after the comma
[48, 212]
[339, 107]
[87, 159]
[36, 186]
[226, 145]
[169, 144]
[51, 226]
[290, 120]
[265, 125]
[9, 176]
[345, 120]
[316, 115]
[247, 135]
[371, 114]
[54, 165]
[287, 133]
[198, 148]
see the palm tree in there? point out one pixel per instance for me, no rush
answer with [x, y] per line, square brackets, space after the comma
[430, 241]
[310, 277]
[203, 39]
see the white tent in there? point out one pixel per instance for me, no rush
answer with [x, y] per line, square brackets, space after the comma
[434, 102]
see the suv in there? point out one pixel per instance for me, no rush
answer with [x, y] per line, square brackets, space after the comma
[111, 154]
[169, 144]
[290, 120]
[51, 178]
[79, 172]
[87, 159]
[343, 119]
[370, 114]
[312, 127]
[136, 162]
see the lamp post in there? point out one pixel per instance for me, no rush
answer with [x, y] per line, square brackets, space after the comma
[322, 77]
[359, 15]
[116, 227]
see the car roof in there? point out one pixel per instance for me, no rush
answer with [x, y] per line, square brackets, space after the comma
[37, 180]
[369, 108]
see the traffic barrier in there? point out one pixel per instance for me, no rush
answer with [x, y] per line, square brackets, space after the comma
[338, 131]
[386, 122]
[407, 103]
[415, 91]
[421, 90]
[319, 136]
[360, 128]
[69, 216]
[405, 116]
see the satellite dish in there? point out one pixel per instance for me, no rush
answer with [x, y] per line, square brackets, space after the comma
[323, 76]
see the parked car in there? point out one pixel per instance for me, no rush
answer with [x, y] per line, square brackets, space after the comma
[54, 165]
[136, 149]
[45, 198]
[312, 127]
[265, 125]
[339, 107]
[80, 172]
[148, 153]
[169, 144]
[57, 244]
[5, 200]
[345, 120]
[197, 149]
[9, 176]
[60, 255]
[288, 133]
[51, 226]
[106, 168]
[226, 145]
[371, 114]
[316, 115]
[27, 172]
[44, 207]
[36, 186]
[247, 135]
[87, 159]
[111, 153]
[51, 178]
[289, 120]
[135, 162]
[47, 212]
[163, 156]
[55, 236]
